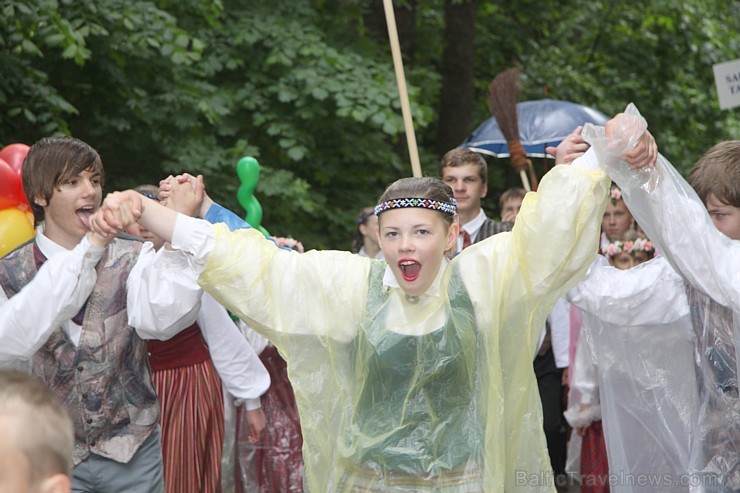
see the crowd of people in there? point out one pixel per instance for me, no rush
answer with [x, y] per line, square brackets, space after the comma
[590, 333]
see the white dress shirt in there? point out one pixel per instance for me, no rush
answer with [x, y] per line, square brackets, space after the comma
[159, 306]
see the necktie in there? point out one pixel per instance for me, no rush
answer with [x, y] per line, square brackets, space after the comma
[466, 240]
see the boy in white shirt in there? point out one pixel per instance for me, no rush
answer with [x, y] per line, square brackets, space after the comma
[78, 307]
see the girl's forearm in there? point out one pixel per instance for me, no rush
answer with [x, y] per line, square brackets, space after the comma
[158, 219]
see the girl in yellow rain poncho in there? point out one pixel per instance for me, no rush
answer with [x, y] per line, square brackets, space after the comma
[412, 374]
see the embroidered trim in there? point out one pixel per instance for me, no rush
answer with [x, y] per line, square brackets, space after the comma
[435, 205]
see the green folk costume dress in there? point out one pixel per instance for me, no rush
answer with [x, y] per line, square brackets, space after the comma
[434, 393]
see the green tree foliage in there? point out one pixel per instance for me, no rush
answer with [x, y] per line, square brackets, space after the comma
[307, 87]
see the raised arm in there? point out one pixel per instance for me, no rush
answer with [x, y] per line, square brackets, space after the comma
[275, 291]
[674, 218]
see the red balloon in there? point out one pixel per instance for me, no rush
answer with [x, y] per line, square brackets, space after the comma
[11, 189]
[14, 154]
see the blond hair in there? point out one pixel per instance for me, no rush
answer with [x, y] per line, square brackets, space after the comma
[40, 425]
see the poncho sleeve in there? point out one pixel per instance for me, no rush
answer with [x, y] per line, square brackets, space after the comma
[673, 217]
[518, 276]
[280, 292]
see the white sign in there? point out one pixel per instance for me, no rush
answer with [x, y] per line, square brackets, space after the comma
[727, 79]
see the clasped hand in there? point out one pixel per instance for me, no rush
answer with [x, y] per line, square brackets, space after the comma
[118, 211]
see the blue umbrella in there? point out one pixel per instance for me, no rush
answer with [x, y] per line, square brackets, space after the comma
[542, 123]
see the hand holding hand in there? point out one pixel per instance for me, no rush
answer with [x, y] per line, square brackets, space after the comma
[645, 150]
[202, 203]
[571, 148]
[118, 212]
[185, 195]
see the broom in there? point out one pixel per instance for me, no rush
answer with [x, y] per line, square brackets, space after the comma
[502, 95]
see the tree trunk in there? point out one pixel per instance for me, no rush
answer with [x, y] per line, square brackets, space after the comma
[458, 90]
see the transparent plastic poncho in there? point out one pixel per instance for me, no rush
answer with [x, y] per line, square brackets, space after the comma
[455, 409]
[675, 219]
[638, 373]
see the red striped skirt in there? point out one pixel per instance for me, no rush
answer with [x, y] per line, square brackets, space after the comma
[192, 422]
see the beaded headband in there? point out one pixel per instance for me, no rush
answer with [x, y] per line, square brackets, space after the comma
[435, 205]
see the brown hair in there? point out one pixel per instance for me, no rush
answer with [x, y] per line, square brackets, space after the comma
[41, 426]
[511, 193]
[362, 217]
[52, 161]
[718, 172]
[461, 156]
[423, 188]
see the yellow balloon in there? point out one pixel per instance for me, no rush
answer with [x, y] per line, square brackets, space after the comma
[15, 229]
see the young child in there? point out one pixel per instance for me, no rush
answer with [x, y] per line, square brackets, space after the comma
[36, 437]
[413, 374]
[275, 463]
[623, 374]
[698, 231]
[617, 219]
[510, 203]
[365, 242]
[78, 307]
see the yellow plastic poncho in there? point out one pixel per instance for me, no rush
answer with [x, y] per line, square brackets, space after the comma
[430, 394]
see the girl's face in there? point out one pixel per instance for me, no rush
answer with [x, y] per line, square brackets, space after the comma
[617, 219]
[413, 241]
[137, 229]
[369, 229]
[624, 261]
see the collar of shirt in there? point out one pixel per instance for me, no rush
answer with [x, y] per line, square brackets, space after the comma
[47, 246]
[389, 280]
[472, 227]
[50, 248]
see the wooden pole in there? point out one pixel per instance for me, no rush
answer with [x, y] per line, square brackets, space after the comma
[390, 19]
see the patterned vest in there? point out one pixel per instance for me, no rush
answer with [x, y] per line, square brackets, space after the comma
[104, 381]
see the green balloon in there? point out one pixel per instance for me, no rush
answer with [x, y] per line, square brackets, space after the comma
[248, 170]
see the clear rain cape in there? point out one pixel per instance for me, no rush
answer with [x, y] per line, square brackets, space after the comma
[675, 219]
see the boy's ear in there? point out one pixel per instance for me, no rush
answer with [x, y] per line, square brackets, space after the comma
[41, 202]
[58, 483]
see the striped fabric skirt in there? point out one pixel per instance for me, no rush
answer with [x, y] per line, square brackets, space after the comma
[192, 422]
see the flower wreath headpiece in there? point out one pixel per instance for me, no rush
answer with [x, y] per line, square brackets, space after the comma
[629, 246]
[615, 195]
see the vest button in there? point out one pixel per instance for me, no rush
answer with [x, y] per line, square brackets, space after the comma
[84, 395]
[79, 368]
[89, 421]
[92, 444]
